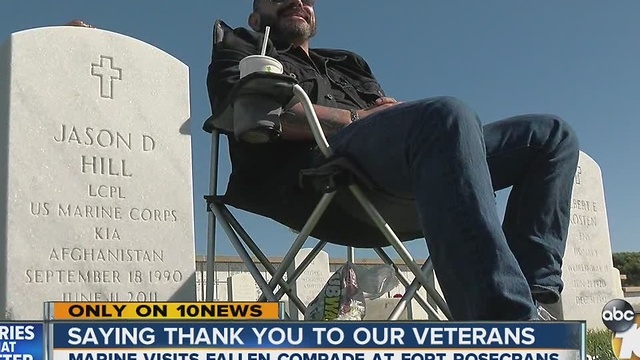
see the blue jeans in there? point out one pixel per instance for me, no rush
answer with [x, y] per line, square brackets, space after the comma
[437, 152]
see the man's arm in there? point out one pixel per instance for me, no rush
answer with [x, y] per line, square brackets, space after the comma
[224, 73]
[295, 125]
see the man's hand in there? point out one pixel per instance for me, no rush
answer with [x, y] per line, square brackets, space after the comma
[380, 104]
[386, 100]
[79, 23]
[296, 127]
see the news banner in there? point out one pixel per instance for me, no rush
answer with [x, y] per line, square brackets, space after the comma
[257, 331]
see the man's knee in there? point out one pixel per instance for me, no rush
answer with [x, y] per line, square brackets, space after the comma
[556, 132]
[449, 112]
[570, 138]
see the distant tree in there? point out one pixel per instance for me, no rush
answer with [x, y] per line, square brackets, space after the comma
[629, 264]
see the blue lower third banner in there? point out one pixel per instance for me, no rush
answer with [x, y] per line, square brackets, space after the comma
[21, 341]
[318, 341]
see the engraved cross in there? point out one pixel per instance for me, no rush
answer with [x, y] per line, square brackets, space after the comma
[107, 74]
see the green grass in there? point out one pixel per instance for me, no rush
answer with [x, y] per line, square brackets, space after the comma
[599, 345]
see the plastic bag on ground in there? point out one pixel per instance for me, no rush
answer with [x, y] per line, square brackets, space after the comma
[375, 280]
[343, 296]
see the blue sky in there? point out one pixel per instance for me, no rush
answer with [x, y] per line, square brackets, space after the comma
[579, 59]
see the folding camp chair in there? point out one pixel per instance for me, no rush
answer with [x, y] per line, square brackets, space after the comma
[334, 175]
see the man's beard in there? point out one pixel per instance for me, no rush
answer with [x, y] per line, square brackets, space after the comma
[288, 31]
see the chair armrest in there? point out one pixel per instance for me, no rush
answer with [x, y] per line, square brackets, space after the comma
[314, 123]
[281, 88]
[276, 87]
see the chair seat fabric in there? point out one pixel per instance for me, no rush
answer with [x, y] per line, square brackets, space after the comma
[345, 221]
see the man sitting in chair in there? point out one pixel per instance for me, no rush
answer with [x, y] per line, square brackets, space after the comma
[433, 152]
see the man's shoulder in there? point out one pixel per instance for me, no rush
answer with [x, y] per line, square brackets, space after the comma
[225, 36]
[350, 57]
[337, 53]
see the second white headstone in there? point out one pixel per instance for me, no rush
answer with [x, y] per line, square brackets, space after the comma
[241, 287]
[588, 263]
[312, 280]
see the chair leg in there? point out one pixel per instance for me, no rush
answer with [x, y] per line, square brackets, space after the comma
[300, 269]
[289, 258]
[211, 226]
[351, 254]
[396, 243]
[211, 255]
[415, 286]
[412, 291]
[253, 247]
[244, 255]
[397, 311]
[237, 235]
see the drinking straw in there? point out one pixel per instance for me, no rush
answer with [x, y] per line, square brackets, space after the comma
[264, 41]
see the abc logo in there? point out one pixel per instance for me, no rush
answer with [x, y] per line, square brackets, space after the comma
[626, 345]
[618, 315]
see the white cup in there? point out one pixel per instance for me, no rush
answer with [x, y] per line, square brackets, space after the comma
[257, 63]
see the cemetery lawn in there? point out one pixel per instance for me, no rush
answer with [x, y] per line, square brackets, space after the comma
[599, 345]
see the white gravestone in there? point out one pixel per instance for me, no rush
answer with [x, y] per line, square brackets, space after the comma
[588, 264]
[312, 280]
[417, 312]
[222, 293]
[241, 287]
[616, 282]
[96, 191]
